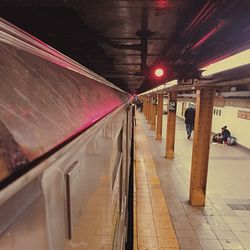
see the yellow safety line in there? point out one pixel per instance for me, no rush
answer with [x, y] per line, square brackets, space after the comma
[135, 218]
[153, 228]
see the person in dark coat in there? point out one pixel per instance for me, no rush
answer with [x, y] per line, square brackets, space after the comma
[189, 119]
[225, 133]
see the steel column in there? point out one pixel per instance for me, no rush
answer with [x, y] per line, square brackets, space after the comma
[170, 135]
[201, 145]
[153, 112]
[149, 109]
[144, 109]
[159, 117]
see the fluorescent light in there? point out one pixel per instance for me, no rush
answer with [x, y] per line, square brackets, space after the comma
[161, 87]
[171, 83]
[231, 62]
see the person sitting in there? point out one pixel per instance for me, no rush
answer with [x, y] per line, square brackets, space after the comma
[217, 138]
[223, 136]
[225, 133]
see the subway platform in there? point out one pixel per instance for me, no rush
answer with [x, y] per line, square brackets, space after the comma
[163, 217]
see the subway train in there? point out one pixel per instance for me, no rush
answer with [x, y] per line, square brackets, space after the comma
[66, 138]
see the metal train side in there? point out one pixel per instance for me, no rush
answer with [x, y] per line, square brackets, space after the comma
[77, 198]
[65, 143]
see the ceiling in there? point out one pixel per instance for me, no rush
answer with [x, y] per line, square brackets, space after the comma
[124, 40]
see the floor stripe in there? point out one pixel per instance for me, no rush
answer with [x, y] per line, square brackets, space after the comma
[153, 228]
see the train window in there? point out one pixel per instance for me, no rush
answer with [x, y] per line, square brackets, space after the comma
[219, 112]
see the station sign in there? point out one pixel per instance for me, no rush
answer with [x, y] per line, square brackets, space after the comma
[172, 106]
[244, 114]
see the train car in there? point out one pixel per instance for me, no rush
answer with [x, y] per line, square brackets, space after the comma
[65, 143]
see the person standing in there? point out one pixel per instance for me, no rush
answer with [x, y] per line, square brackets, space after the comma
[189, 119]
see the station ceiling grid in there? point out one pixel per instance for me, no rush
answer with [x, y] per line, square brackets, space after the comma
[121, 40]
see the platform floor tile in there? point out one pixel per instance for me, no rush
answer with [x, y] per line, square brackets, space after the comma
[224, 221]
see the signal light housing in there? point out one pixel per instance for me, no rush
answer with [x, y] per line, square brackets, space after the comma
[231, 62]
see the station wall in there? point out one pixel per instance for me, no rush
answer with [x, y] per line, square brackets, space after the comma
[235, 114]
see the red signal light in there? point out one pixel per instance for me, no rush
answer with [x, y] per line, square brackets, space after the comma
[159, 72]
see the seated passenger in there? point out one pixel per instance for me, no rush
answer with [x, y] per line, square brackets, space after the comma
[216, 137]
[223, 136]
[225, 133]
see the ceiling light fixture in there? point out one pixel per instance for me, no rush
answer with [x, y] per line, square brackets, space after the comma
[161, 87]
[237, 60]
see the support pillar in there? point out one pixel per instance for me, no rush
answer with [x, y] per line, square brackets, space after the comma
[159, 117]
[201, 145]
[149, 108]
[144, 109]
[170, 135]
[153, 112]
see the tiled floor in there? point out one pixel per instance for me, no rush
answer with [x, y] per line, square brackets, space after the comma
[224, 223]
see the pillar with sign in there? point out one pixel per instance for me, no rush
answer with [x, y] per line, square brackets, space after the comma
[170, 135]
[201, 145]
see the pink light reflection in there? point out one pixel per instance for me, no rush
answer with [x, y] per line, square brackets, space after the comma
[209, 34]
[161, 4]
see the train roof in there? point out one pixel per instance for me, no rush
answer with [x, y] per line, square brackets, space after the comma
[46, 99]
